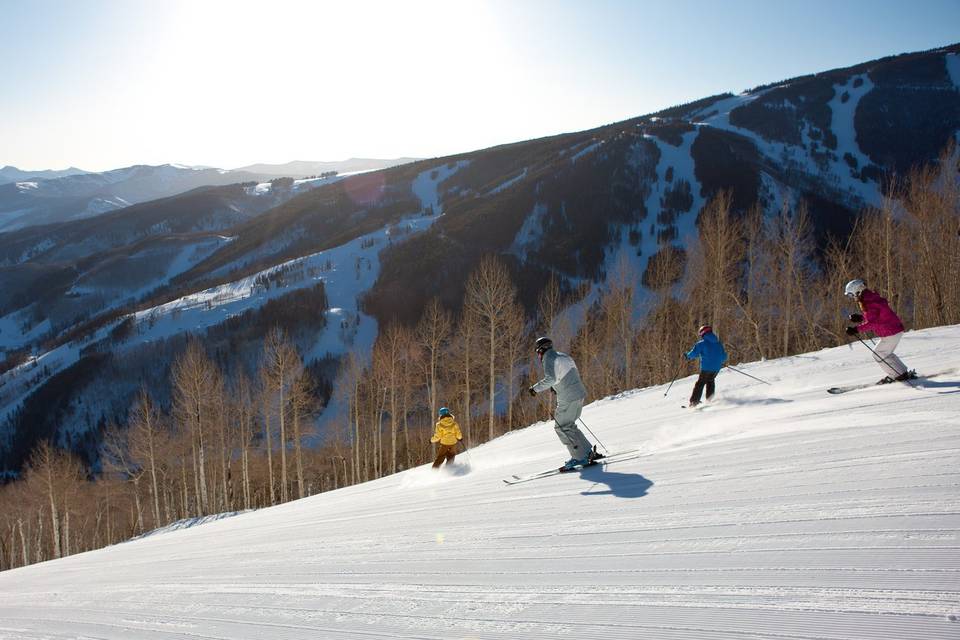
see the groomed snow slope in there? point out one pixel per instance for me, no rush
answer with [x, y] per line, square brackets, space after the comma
[776, 512]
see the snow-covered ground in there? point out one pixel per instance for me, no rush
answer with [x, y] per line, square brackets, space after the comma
[774, 513]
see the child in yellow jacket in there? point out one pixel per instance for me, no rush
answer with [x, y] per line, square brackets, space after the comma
[448, 435]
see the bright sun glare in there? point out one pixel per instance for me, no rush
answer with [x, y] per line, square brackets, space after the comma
[234, 72]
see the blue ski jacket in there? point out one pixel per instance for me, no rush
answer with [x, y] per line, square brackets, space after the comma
[710, 351]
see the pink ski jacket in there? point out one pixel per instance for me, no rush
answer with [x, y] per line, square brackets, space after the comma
[878, 317]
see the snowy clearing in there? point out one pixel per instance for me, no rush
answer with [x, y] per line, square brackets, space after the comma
[774, 513]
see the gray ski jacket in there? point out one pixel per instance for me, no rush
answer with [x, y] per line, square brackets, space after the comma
[560, 373]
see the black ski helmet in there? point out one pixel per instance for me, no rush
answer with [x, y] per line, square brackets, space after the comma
[544, 344]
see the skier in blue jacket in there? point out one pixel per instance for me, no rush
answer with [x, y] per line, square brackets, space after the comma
[712, 356]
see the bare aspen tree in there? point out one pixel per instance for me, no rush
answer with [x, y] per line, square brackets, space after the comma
[929, 196]
[223, 417]
[352, 374]
[465, 343]
[619, 317]
[754, 243]
[791, 249]
[146, 437]
[265, 401]
[433, 335]
[387, 355]
[715, 261]
[514, 335]
[590, 351]
[550, 306]
[411, 365]
[838, 267]
[195, 383]
[181, 447]
[24, 545]
[280, 369]
[118, 457]
[489, 297]
[302, 404]
[380, 391]
[55, 473]
[245, 419]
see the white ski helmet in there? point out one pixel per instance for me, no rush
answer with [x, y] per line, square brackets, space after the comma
[855, 288]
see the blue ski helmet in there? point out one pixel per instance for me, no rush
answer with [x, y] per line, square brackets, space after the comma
[444, 411]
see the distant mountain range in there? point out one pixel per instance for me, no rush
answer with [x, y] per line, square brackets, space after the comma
[46, 197]
[13, 174]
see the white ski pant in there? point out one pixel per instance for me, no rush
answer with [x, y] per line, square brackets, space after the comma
[566, 428]
[883, 354]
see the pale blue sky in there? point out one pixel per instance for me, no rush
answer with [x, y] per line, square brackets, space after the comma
[102, 84]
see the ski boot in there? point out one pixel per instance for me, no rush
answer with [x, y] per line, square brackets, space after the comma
[594, 455]
[574, 463]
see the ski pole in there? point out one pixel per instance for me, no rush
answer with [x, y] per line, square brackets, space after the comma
[465, 452]
[594, 435]
[743, 373]
[675, 374]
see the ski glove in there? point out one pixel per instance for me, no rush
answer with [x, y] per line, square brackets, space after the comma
[855, 317]
[852, 331]
[532, 392]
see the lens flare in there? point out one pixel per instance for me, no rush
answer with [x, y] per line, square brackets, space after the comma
[365, 188]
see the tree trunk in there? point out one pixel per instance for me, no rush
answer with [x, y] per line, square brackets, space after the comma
[492, 404]
[24, 547]
[268, 440]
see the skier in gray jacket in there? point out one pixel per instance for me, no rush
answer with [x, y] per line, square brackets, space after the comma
[560, 374]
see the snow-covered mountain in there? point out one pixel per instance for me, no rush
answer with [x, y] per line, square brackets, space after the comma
[572, 205]
[30, 199]
[75, 197]
[13, 174]
[774, 512]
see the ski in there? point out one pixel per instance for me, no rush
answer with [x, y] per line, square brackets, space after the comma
[854, 387]
[618, 456]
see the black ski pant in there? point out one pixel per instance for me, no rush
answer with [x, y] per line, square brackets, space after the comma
[705, 380]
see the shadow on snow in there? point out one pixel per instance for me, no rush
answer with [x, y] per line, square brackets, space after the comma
[621, 485]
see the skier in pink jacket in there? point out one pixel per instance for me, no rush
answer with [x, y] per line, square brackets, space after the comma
[877, 316]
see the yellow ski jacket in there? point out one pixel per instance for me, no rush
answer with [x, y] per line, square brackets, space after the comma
[448, 431]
